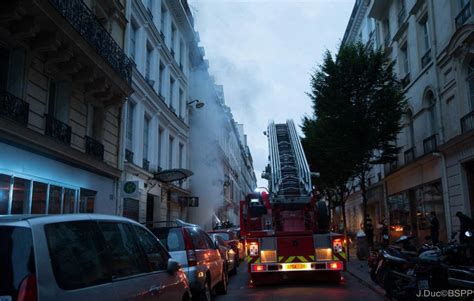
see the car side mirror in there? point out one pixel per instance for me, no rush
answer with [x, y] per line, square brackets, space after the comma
[173, 266]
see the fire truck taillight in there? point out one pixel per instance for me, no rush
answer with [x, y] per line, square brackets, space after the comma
[268, 256]
[323, 254]
[337, 245]
[259, 268]
[335, 265]
[253, 249]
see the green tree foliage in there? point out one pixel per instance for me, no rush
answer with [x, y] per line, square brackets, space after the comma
[357, 107]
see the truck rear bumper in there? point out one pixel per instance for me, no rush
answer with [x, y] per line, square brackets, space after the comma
[296, 267]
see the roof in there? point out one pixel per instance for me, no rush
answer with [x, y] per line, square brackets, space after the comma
[47, 219]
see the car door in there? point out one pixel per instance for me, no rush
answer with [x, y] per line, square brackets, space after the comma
[170, 286]
[215, 260]
[131, 273]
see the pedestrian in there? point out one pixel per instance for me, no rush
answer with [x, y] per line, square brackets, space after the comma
[385, 237]
[369, 231]
[434, 228]
[466, 224]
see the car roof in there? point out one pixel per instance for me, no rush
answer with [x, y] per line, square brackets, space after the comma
[48, 219]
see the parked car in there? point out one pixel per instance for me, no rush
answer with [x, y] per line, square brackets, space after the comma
[230, 236]
[85, 257]
[197, 253]
[227, 253]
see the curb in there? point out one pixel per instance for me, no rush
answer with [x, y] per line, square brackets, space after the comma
[377, 290]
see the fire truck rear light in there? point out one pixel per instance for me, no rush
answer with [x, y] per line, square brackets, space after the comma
[335, 265]
[259, 268]
[253, 249]
[323, 254]
[268, 256]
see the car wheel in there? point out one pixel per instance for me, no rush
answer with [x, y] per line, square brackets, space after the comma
[205, 294]
[221, 287]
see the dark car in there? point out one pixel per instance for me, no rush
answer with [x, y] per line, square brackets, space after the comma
[230, 236]
[227, 253]
[197, 253]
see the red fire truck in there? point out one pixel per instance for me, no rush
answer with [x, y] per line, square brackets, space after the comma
[286, 229]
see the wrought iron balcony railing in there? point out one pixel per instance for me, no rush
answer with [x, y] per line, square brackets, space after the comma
[162, 35]
[430, 144]
[463, 15]
[94, 148]
[129, 156]
[401, 16]
[86, 24]
[409, 155]
[146, 164]
[426, 58]
[405, 80]
[467, 122]
[14, 108]
[57, 129]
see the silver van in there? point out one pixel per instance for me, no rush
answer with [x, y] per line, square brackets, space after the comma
[85, 257]
[197, 254]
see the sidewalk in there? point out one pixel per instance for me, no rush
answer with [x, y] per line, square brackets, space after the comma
[360, 270]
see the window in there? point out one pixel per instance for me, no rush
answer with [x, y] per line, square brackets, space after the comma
[124, 253]
[181, 149]
[163, 19]
[86, 202]
[470, 82]
[171, 238]
[129, 138]
[95, 119]
[411, 130]
[69, 200]
[162, 80]
[173, 37]
[180, 103]
[78, 257]
[170, 152]
[4, 193]
[12, 69]
[21, 196]
[160, 147]
[146, 126]
[404, 58]
[55, 199]
[425, 34]
[133, 42]
[59, 99]
[207, 239]
[430, 103]
[38, 203]
[155, 253]
[149, 53]
[172, 92]
[198, 240]
[181, 54]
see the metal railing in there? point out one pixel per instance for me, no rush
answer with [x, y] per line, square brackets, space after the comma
[409, 155]
[467, 122]
[86, 24]
[274, 158]
[146, 164]
[430, 144]
[57, 129]
[463, 15]
[94, 148]
[129, 156]
[14, 108]
[426, 58]
[304, 173]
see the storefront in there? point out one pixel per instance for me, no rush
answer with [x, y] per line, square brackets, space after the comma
[36, 184]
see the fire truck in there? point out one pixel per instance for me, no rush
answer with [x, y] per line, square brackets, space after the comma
[285, 229]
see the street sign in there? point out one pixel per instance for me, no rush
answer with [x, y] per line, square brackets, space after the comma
[190, 201]
[130, 189]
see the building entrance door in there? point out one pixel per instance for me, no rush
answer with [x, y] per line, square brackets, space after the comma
[469, 167]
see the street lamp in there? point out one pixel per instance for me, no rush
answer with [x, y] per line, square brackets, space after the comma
[199, 104]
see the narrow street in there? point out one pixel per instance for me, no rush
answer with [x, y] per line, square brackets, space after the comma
[351, 289]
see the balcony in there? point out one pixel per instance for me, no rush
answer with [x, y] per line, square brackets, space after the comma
[86, 24]
[14, 108]
[405, 81]
[426, 58]
[162, 35]
[146, 164]
[430, 144]
[57, 129]
[149, 13]
[94, 148]
[402, 14]
[467, 122]
[172, 52]
[409, 155]
[129, 156]
[462, 17]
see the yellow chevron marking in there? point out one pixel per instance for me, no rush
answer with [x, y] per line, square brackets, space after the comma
[258, 260]
[311, 256]
[343, 255]
[280, 258]
[302, 258]
[290, 259]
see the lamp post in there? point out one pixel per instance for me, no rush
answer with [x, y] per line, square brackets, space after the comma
[199, 104]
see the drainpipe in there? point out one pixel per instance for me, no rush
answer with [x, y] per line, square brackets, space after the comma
[441, 155]
[121, 156]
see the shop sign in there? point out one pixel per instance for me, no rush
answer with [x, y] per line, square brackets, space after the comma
[130, 189]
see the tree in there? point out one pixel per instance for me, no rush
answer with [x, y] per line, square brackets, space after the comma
[357, 107]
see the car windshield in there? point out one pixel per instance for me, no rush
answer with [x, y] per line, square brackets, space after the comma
[16, 259]
[172, 238]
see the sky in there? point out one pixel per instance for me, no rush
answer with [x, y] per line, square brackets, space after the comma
[263, 52]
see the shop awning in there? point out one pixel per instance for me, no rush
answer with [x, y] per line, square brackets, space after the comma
[171, 175]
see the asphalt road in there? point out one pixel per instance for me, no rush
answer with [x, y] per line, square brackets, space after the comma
[349, 289]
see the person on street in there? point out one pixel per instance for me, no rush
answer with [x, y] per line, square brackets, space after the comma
[369, 232]
[466, 224]
[385, 237]
[434, 228]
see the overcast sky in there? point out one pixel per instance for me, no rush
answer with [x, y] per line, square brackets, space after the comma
[263, 52]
